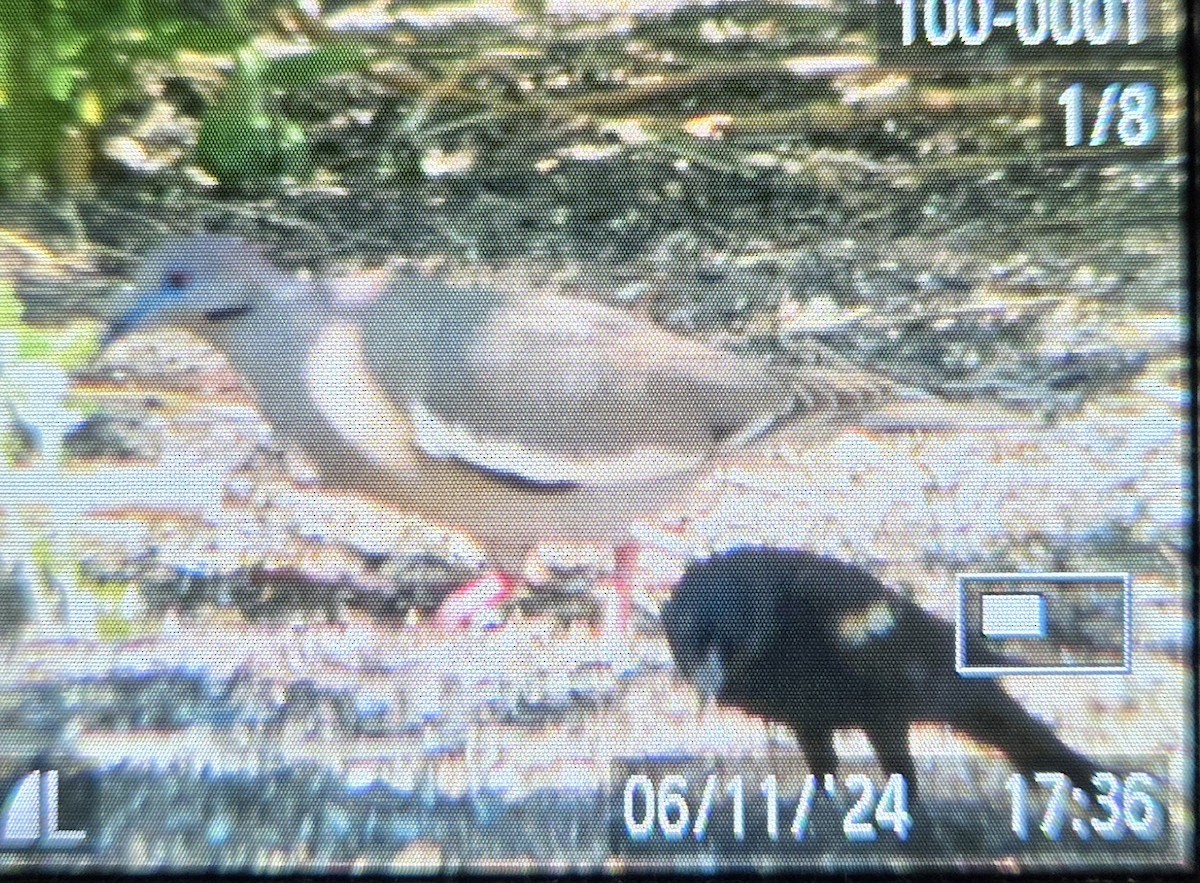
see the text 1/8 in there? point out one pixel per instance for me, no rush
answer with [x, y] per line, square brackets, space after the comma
[1132, 107]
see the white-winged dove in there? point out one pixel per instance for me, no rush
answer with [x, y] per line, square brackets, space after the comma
[517, 418]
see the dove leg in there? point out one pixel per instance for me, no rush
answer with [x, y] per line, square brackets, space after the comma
[471, 604]
[619, 609]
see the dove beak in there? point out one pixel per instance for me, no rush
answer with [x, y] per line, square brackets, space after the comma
[137, 315]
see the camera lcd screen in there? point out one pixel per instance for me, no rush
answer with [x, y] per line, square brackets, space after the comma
[634, 436]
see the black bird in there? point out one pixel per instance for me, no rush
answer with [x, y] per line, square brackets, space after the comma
[821, 645]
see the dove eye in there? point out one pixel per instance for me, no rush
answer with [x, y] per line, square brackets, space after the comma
[179, 279]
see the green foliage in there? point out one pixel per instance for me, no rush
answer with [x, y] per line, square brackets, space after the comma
[11, 309]
[67, 348]
[239, 138]
[114, 629]
[68, 63]
[243, 137]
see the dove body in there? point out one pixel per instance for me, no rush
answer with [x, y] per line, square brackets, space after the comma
[518, 419]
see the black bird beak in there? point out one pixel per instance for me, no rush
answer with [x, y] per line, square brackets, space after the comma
[709, 677]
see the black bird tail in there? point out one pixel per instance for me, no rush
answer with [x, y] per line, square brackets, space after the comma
[990, 715]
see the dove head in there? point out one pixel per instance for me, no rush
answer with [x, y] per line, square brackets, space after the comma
[203, 283]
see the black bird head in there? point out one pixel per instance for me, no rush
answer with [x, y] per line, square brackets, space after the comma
[697, 656]
[722, 614]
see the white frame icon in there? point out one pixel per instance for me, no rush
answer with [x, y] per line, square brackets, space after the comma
[991, 671]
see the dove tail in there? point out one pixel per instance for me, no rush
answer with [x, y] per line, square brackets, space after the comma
[826, 393]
